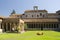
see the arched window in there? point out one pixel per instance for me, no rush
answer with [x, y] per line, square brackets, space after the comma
[37, 15]
[23, 14]
[40, 14]
[32, 15]
[43, 15]
[26, 15]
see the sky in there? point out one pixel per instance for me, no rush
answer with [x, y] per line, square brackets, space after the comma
[7, 6]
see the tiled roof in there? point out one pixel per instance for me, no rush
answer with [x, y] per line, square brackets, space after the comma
[36, 11]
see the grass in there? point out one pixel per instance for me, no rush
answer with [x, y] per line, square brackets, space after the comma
[31, 35]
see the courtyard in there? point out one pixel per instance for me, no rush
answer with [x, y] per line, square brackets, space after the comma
[31, 35]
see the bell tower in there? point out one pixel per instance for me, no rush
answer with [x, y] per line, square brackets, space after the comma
[35, 7]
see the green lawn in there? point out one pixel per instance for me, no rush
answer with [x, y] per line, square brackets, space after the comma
[31, 35]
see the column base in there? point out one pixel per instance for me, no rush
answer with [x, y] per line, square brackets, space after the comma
[22, 31]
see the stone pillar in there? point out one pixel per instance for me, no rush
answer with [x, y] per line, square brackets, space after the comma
[0, 25]
[40, 26]
[3, 27]
[33, 25]
[10, 27]
[14, 26]
[6, 26]
[55, 25]
[52, 26]
[43, 26]
[19, 28]
[22, 28]
[48, 26]
[59, 25]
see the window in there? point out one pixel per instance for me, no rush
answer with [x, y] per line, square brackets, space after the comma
[43, 15]
[37, 15]
[20, 16]
[32, 15]
[40, 14]
[17, 16]
[26, 15]
[23, 14]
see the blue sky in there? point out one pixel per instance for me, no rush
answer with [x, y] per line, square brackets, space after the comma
[6, 6]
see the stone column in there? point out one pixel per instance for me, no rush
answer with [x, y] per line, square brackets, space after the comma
[14, 26]
[33, 25]
[0, 25]
[22, 28]
[48, 26]
[40, 26]
[3, 27]
[10, 27]
[43, 26]
[59, 25]
[6, 26]
[53, 26]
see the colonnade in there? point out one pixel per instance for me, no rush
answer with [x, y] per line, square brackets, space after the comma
[43, 25]
[8, 26]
